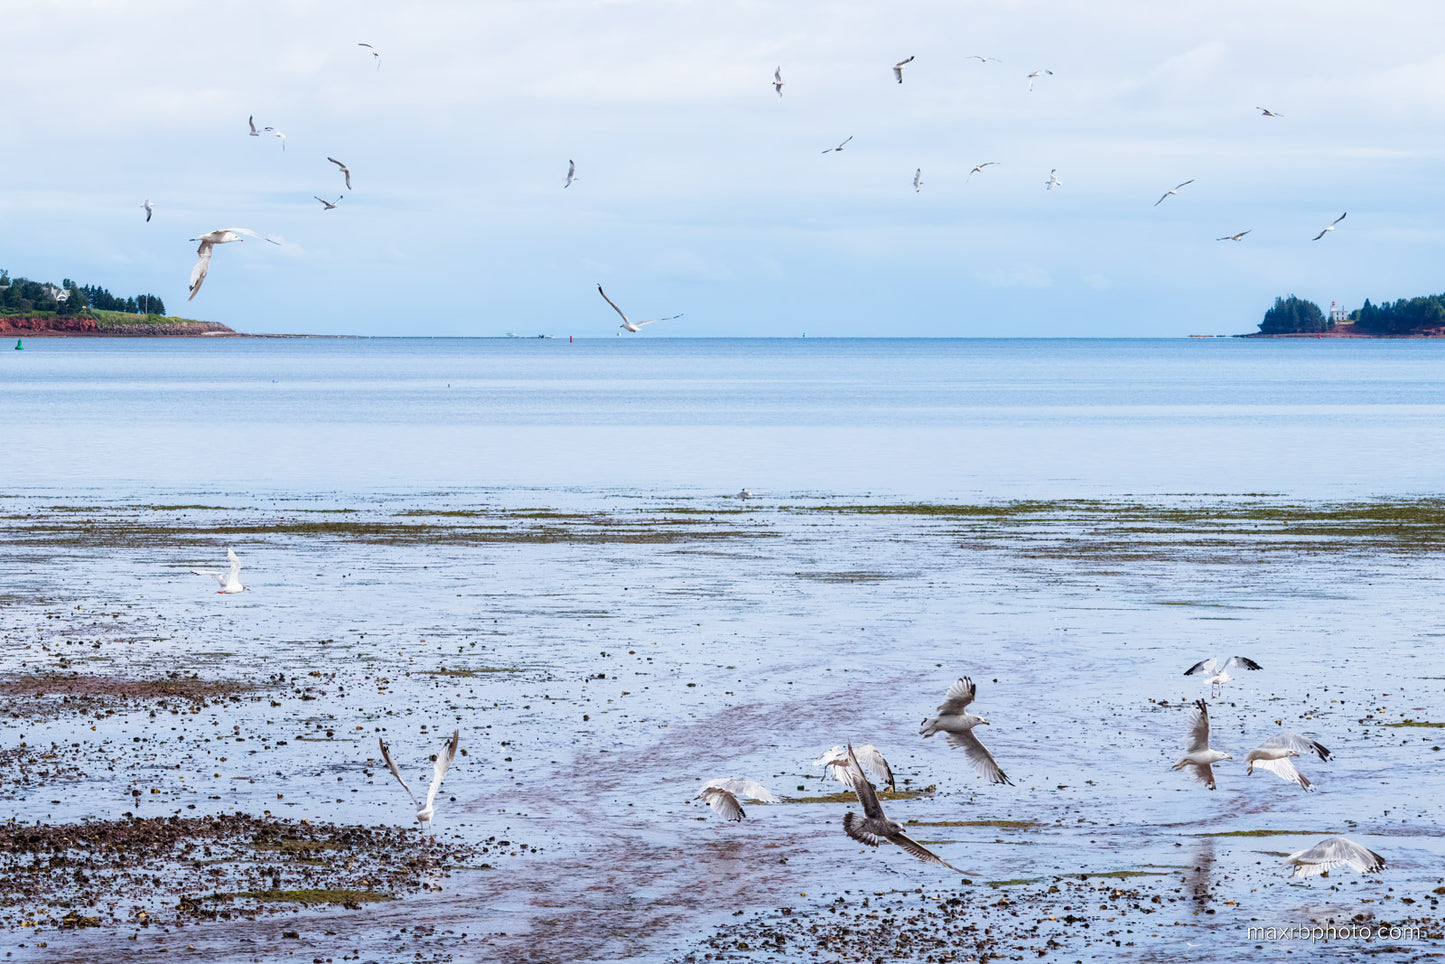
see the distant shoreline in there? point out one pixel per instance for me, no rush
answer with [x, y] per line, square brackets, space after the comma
[1344, 329]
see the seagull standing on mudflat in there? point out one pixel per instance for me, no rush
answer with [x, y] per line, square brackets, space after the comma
[344, 170]
[633, 326]
[1199, 757]
[425, 812]
[1172, 190]
[954, 719]
[230, 579]
[1331, 227]
[874, 827]
[898, 68]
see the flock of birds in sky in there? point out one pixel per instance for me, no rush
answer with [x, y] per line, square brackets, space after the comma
[226, 235]
[852, 766]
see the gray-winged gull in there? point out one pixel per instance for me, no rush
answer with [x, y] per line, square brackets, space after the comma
[954, 720]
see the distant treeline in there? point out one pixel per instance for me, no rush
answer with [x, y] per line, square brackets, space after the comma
[21, 297]
[1407, 316]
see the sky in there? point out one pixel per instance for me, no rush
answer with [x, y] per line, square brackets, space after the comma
[700, 191]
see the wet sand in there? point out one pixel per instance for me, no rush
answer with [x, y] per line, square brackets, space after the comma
[603, 654]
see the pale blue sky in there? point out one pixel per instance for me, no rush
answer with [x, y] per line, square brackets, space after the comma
[700, 191]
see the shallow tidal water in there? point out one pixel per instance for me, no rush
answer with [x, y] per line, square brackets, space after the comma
[605, 653]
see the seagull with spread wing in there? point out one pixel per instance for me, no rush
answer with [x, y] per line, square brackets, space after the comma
[571, 173]
[425, 812]
[1234, 237]
[1172, 190]
[839, 147]
[723, 794]
[1274, 755]
[1199, 757]
[778, 80]
[633, 326]
[1329, 227]
[1216, 682]
[978, 168]
[1333, 852]
[230, 579]
[1036, 74]
[874, 827]
[834, 762]
[375, 54]
[898, 68]
[209, 240]
[954, 720]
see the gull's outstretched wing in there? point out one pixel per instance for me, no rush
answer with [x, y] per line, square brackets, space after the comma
[723, 803]
[1202, 772]
[978, 755]
[1297, 743]
[1284, 769]
[1199, 728]
[867, 799]
[203, 264]
[1244, 661]
[444, 762]
[959, 695]
[614, 305]
[390, 765]
[344, 170]
[235, 563]
[918, 850]
[1203, 666]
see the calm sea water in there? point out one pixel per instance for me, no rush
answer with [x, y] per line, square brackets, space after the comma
[892, 417]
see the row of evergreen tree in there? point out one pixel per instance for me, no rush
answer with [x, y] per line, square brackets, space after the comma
[21, 296]
[1403, 317]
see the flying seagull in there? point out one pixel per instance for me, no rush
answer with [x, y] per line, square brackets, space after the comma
[344, 170]
[571, 173]
[982, 59]
[778, 80]
[1266, 112]
[834, 762]
[277, 133]
[979, 168]
[918, 180]
[898, 68]
[1274, 755]
[149, 205]
[208, 240]
[1053, 180]
[230, 579]
[722, 795]
[329, 205]
[1200, 756]
[1037, 73]
[1331, 226]
[954, 719]
[252, 121]
[1172, 190]
[840, 146]
[873, 827]
[424, 813]
[1333, 852]
[1234, 237]
[374, 54]
[1217, 681]
[633, 326]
